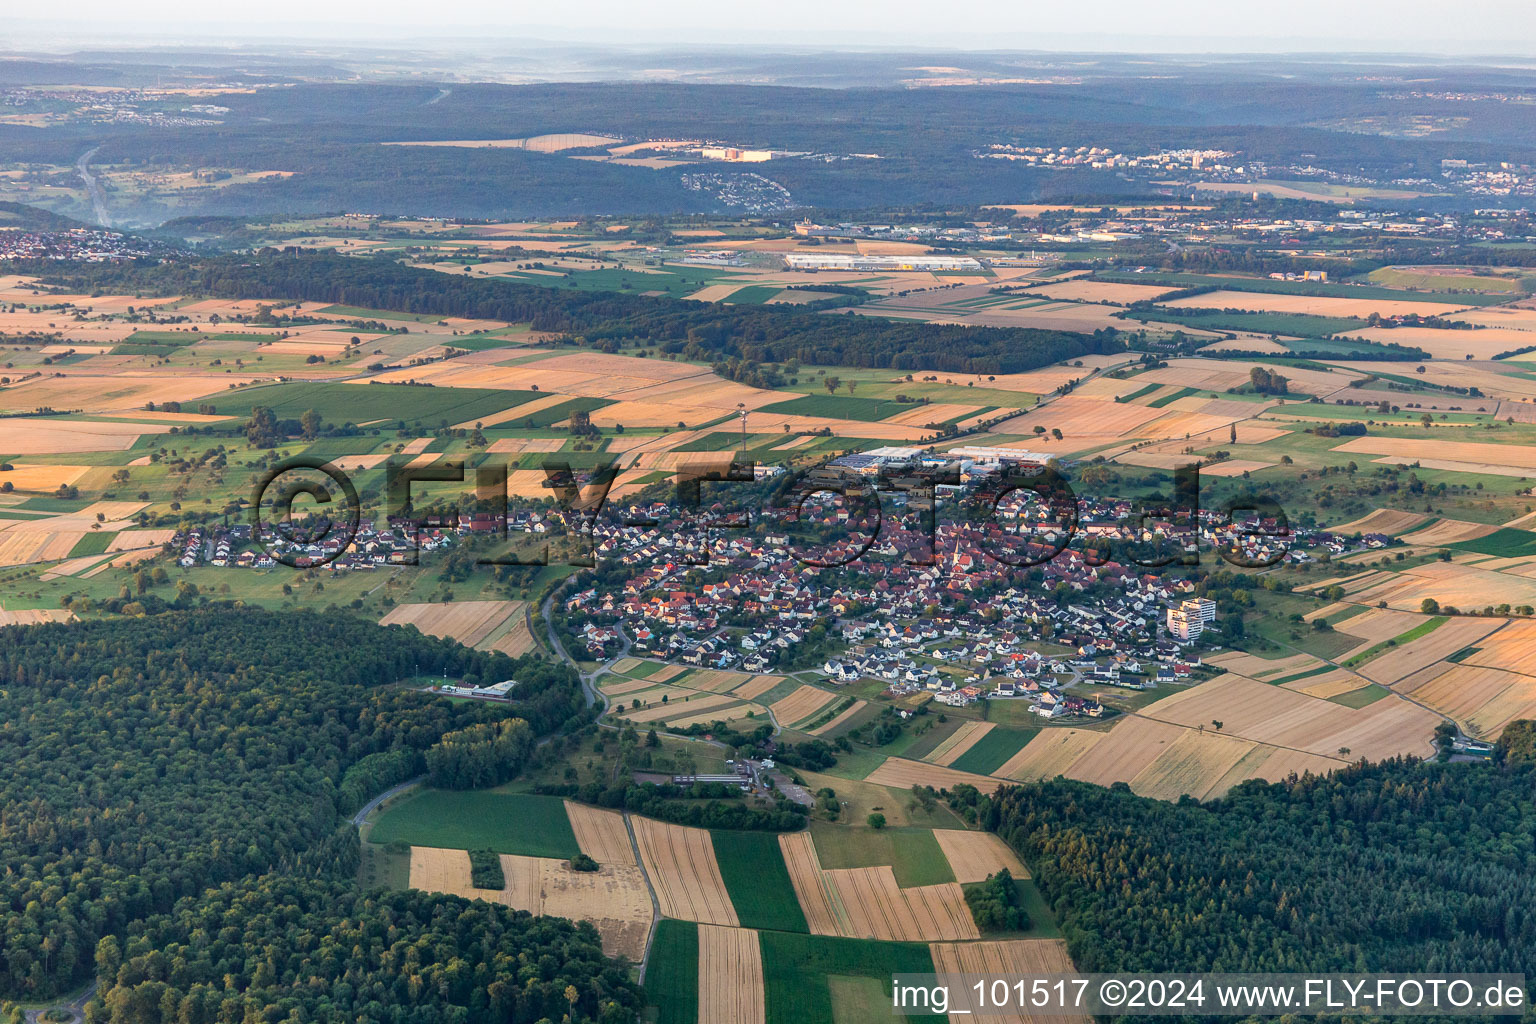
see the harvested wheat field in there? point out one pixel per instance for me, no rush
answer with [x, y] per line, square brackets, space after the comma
[1100, 291]
[716, 680]
[615, 686]
[33, 544]
[1009, 958]
[811, 887]
[468, 622]
[42, 478]
[439, 870]
[755, 687]
[1272, 714]
[1315, 305]
[1329, 684]
[114, 392]
[1512, 647]
[28, 436]
[852, 709]
[690, 705]
[1254, 667]
[1235, 467]
[1133, 744]
[801, 704]
[33, 616]
[874, 907]
[601, 834]
[1194, 764]
[681, 865]
[1378, 624]
[1274, 764]
[975, 855]
[614, 898]
[1449, 583]
[900, 773]
[1389, 521]
[1402, 661]
[1051, 753]
[958, 742]
[1474, 454]
[730, 976]
[517, 639]
[1482, 700]
[1446, 343]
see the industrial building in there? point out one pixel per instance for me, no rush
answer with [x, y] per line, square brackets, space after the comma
[856, 261]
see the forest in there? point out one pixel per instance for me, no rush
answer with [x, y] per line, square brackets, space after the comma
[290, 949]
[1381, 867]
[148, 759]
[701, 331]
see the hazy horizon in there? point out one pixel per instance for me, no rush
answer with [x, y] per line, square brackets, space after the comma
[1491, 28]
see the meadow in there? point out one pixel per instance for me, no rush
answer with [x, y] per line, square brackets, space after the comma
[511, 823]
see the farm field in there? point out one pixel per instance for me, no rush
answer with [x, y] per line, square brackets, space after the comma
[914, 854]
[614, 898]
[730, 975]
[468, 622]
[752, 868]
[797, 970]
[684, 873]
[672, 972]
[973, 856]
[509, 823]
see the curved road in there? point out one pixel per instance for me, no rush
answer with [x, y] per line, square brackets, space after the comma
[75, 1007]
[373, 805]
[93, 187]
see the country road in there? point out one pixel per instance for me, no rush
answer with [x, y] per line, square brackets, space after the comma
[372, 805]
[93, 187]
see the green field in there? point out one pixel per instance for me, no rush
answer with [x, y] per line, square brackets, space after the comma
[796, 969]
[858, 1000]
[992, 750]
[362, 313]
[1298, 325]
[1140, 393]
[1171, 397]
[516, 823]
[752, 867]
[1264, 284]
[1361, 697]
[672, 972]
[361, 403]
[913, 854]
[92, 544]
[842, 407]
[754, 294]
[1410, 277]
[1320, 670]
[555, 413]
[1506, 542]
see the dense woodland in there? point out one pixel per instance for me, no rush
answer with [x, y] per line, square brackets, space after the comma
[1388, 867]
[300, 950]
[145, 759]
[703, 331]
[328, 136]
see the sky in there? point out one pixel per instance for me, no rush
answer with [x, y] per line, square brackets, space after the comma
[1394, 26]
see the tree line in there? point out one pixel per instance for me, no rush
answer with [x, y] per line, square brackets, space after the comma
[702, 331]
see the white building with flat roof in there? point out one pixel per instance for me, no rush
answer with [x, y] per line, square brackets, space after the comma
[859, 261]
